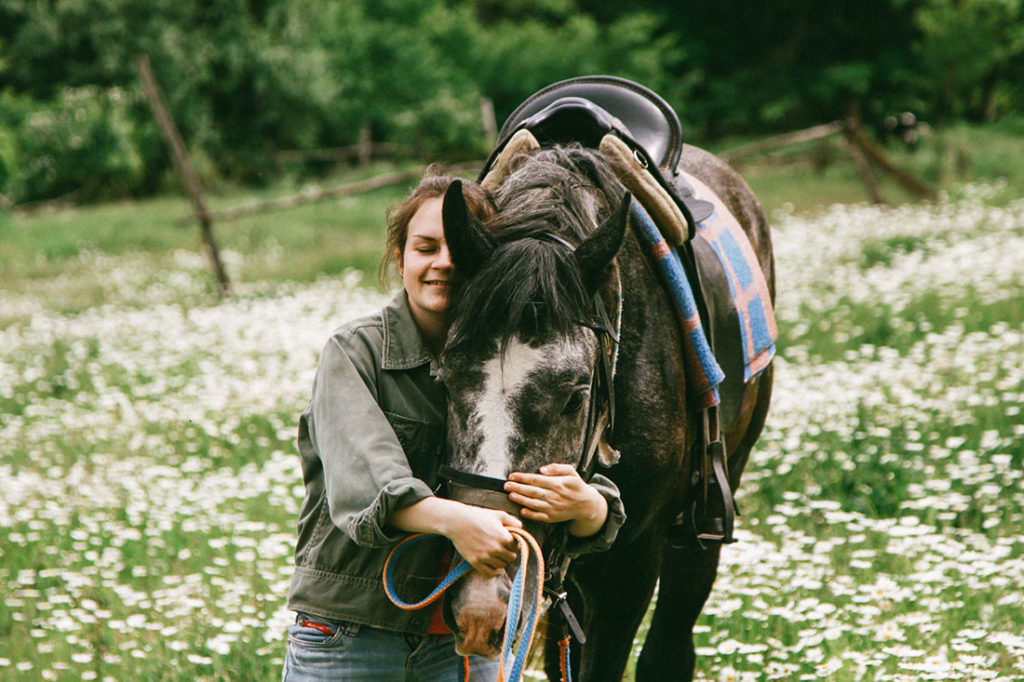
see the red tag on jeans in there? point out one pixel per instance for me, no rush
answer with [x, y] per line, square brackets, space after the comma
[317, 626]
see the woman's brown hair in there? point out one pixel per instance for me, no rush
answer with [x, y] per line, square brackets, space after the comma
[435, 183]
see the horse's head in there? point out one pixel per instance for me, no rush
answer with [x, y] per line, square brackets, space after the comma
[524, 349]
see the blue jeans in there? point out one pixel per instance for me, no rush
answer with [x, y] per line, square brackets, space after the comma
[358, 653]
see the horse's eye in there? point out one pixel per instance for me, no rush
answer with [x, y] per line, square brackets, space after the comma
[575, 402]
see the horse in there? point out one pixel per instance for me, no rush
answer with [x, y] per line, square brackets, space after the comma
[520, 361]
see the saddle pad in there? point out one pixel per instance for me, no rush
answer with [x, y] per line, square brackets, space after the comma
[702, 370]
[747, 285]
[737, 297]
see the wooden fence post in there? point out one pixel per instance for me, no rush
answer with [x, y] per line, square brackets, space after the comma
[864, 171]
[189, 180]
[489, 123]
[854, 132]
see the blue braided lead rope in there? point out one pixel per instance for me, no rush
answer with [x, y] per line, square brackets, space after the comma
[528, 548]
[460, 569]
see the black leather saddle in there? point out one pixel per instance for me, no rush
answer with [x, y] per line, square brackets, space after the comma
[586, 108]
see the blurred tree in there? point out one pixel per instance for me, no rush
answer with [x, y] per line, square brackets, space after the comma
[786, 64]
[973, 50]
[515, 57]
[81, 144]
[246, 78]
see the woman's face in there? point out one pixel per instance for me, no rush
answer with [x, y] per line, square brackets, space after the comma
[426, 267]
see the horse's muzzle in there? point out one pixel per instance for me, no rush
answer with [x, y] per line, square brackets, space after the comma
[478, 612]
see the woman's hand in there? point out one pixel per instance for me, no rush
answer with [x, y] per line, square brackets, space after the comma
[556, 494]
[480, 536]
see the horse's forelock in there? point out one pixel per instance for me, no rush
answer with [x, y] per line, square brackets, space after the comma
[568, 186]
[530, 287]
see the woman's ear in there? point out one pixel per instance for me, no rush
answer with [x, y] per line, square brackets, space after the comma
[398, 261]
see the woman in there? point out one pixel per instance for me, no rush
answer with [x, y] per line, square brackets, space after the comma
[371, 440]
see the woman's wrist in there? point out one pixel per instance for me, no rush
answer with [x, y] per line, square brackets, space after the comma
[429, 515]
[593, 514]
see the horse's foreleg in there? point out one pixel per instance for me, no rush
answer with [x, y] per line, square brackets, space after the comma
[686, 578]
[615, 589]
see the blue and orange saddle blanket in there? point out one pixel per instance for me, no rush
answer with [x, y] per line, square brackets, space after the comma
[750, 301]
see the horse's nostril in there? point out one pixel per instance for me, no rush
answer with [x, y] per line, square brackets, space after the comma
[497, 639]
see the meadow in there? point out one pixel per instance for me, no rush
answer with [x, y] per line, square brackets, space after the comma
[150, 482]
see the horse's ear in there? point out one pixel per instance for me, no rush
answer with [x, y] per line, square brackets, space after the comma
[469, 242]
[594, 255]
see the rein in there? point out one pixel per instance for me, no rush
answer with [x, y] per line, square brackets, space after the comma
[529, 550]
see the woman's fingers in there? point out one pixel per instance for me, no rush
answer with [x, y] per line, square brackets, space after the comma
[556, 493]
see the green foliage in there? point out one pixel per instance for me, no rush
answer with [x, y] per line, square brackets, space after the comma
[514, 59]
[785, 65]
[973, 50]
[82, 142]
[246, 79]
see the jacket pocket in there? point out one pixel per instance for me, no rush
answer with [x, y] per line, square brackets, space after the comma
[422, 443]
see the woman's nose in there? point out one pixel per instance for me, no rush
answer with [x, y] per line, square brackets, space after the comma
[444, 259]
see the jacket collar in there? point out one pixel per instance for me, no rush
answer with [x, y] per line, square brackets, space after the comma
[403, 345]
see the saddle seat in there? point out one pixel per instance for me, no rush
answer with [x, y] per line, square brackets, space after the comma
[587, 108]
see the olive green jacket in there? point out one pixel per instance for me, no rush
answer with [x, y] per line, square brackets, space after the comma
[371, 440]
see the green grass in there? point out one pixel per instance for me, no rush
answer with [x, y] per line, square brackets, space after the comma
[812, 176]
[151, 485]
[326, 238]
[300, 244]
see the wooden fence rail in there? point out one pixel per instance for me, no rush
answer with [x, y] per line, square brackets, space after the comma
[863, 151]
[350, 189]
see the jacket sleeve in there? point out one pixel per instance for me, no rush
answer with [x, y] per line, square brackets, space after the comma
[366, 473]
[602, 539]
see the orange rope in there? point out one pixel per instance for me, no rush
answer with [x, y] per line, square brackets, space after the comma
[563, 657]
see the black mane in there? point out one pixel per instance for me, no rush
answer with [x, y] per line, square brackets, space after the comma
[530, 287]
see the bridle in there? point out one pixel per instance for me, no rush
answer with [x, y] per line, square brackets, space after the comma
[489, 491]
[484, 491]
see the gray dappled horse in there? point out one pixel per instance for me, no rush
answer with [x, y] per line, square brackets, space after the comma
[519, 365]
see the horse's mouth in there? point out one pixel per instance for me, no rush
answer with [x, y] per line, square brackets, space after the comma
[479, 627]
[478, 643]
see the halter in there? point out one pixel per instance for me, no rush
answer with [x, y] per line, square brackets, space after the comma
[489, 491]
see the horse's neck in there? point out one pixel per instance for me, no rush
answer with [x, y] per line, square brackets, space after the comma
[650, 328]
